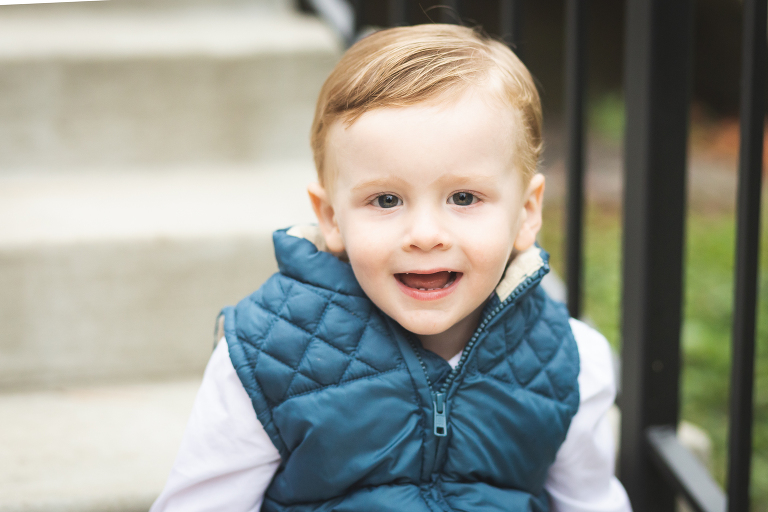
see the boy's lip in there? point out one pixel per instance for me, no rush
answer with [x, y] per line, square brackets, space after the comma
[432, 294]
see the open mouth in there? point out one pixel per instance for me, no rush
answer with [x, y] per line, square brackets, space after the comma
[428, 282]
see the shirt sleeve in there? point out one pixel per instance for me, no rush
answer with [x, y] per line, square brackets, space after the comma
[226, 460]
[582, 476]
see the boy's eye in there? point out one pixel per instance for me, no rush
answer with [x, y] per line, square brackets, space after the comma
[388, 201]
[462, 199]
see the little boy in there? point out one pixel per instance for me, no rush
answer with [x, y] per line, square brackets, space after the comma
[405, 358]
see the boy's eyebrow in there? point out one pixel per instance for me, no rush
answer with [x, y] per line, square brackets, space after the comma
[379, 183]
[454, 179]
[460, 179]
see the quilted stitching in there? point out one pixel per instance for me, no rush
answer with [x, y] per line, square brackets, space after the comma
[306, 350]
[354, 354]
[329, 343]
[313, 335]
[530, 358]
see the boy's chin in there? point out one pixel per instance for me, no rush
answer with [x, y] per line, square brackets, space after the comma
[425, 326]
[440, 324]
[427, 332]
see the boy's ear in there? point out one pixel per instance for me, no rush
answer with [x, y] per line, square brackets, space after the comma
[530, 214]
[326, 217]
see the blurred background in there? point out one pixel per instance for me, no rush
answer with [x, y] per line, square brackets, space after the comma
[148, 149]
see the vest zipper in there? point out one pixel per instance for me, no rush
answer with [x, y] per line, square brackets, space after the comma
[440, 398]
[441, 418]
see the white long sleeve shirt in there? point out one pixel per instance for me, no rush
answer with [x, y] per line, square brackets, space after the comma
[227, 460]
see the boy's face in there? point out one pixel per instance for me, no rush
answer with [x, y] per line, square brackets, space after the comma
[428, 206]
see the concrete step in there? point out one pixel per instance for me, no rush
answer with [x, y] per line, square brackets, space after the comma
[98, 449]
[103, 85]
[134, 5]
[118, 276]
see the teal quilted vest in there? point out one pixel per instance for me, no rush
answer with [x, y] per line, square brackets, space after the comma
[365, 419]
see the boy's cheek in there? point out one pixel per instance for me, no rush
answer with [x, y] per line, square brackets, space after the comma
[367, 264]
[487, 241]
[368, 237]
[366, 254]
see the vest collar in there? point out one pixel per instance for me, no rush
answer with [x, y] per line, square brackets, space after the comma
[299, 256]
[525, 270]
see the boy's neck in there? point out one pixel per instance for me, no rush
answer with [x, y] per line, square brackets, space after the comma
[449, 343]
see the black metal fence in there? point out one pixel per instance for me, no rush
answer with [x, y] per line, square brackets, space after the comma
[657, 88]
[654, 466]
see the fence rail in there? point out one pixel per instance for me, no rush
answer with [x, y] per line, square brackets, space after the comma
[654, 467]
[684, 472]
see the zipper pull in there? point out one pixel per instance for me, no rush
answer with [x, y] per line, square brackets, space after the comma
[441, 414]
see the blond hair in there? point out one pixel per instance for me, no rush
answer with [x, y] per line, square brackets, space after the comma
[404, 66]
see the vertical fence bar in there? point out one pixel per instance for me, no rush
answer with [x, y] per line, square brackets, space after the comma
[358, 7]
[511, 24]
[657, 80]
[398, 13]
[450, 12]
[753, 83]
[575, 86]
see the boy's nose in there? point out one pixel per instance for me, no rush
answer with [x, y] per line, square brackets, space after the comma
[426, 233]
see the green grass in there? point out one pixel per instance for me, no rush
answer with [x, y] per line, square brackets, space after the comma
[707, 321]
[606, 116]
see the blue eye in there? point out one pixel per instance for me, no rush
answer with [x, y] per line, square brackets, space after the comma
[388, 201]
[462, 199]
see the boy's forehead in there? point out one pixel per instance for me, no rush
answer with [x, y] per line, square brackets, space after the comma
[462, 118]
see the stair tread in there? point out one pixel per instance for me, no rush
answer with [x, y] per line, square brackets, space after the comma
[56, 208]
[109, 448]
[212, 32]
